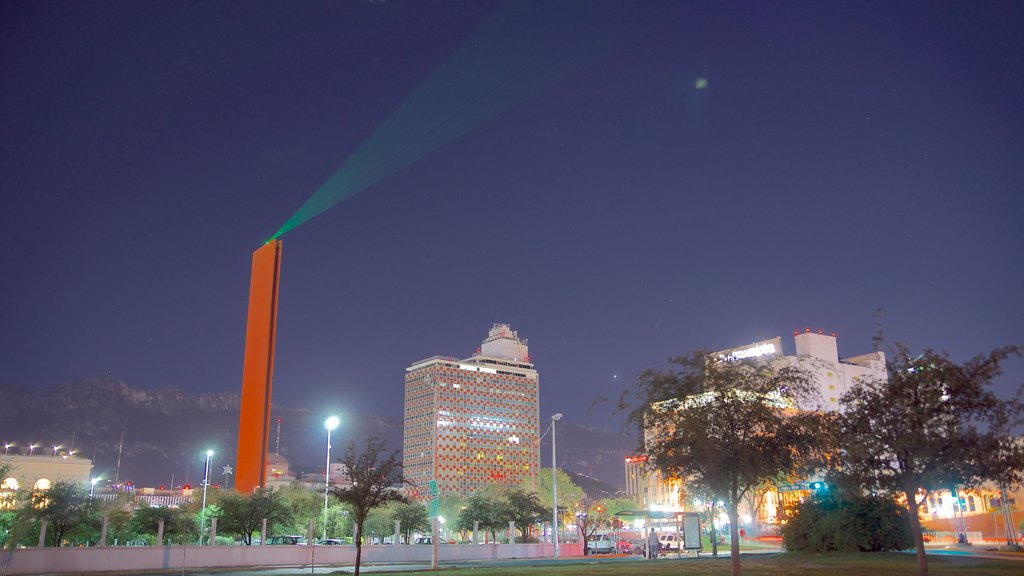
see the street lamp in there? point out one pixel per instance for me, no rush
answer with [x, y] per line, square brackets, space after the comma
[7, 446]
[554, 484]
[206, 482]
[92, 486]
[331, 423]
[31, 447]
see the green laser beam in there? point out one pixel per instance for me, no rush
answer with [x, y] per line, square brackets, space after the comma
[523, 49]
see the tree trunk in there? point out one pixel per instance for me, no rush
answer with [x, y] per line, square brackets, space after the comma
[915, 530]
[732, 509]
[359, 546]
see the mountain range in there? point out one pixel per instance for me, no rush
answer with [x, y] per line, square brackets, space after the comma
[161, 436]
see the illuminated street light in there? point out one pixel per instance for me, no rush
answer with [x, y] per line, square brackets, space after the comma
[206, 482]
[7, 446]
[554, 485]
[31, 447]
[92, 486]
[330, 424]
[55, 448]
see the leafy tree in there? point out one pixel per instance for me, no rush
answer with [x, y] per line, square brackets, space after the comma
[834, 522]
[413, 518]
[482, 506]
[590, 516]
[338, 523]
[304, 504]
[616, 505]
[450, 506]
[243, 515]
[374, 479]
[933, 425]
[725, 426]
[146, 520]
[569, 493]
[378, 525]
[63, 505]
[521, 508]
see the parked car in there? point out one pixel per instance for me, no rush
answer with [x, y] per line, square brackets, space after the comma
[638, 546]
[136, 543]
[623, 546]
[601, 544]
[428, 540]
[290, 540]
[332, 542]
[671, 542]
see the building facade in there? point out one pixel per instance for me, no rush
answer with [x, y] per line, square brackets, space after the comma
[39, 472]
[817, 353]
[474, 422]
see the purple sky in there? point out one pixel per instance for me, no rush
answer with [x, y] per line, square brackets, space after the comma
[841, 158]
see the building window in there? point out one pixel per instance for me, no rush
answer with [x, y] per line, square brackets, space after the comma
[970, 503]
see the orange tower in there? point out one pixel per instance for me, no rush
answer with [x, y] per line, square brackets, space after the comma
[258, 371]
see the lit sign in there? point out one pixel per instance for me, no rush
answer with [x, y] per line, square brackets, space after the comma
[752, 352]
[631, 459]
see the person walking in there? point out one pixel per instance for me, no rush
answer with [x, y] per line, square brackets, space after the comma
[653, 544]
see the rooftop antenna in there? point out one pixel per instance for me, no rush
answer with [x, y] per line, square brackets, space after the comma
[120, 447]
[277, 450]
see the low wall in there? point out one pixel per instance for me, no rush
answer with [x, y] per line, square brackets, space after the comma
[24, 561]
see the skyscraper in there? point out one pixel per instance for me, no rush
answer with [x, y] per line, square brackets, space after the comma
[474, 422]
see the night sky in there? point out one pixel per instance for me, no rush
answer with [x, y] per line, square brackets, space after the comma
[709, 175]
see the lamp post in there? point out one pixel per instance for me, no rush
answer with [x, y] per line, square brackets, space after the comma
[206, 482]
[7, 446]
[554, 484]
[331, 423]
[92, 486]
[31, 447]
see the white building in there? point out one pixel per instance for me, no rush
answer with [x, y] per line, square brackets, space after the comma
[818, 354]
[39, 472]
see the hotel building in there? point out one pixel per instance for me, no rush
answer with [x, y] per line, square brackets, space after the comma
[474, 422]
[818, 354]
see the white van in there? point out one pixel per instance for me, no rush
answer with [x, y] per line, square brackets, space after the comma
[601, 544]
[672, 541]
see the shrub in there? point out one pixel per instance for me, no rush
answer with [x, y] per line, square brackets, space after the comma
[829, 523]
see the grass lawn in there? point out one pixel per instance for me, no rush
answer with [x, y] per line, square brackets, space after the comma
[769, 565]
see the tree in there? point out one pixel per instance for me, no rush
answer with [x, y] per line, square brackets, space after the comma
[522, 508]
[63, 505]
[450, 506]
[569, 493]
[378, 526]
[244, 515]
[374, 479]
[834, 521]
[590, 515]
[483, 506]
[726, 426]
[935, 424]
[146, 520]
[304, 504]
[413, 518]
[338, 524]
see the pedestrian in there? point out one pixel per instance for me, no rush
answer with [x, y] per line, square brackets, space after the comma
[653, 544]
